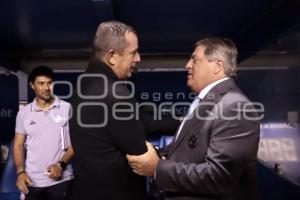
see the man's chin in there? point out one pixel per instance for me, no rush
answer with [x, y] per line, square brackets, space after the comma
[191, 86]
[47, 98]
[129, 74]
[188, 83]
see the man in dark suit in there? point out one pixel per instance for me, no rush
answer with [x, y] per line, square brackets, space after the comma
[103, 126]
[213, 154]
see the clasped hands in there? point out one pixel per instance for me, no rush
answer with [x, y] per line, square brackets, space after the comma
[145, 164]
[54, 171]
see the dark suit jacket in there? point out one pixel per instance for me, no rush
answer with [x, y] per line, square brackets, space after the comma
[214, 158]
[101, 168]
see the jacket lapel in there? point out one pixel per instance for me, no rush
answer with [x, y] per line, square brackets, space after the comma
[203, 110]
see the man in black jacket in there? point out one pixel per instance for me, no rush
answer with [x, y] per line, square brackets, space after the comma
[104, 127]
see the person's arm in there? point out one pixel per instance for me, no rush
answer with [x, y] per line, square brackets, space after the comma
[125, 127]
[56, 170]
[68, 155]
[23, 179]
[145, 164]
[233, 143]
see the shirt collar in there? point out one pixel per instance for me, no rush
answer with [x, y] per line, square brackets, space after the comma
[204, 92]
[34, 106]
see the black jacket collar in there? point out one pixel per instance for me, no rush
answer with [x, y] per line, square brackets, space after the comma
[99, 67]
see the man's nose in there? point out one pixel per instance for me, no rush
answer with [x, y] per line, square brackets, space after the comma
[188, 64]
[47, 87]
[137, 58]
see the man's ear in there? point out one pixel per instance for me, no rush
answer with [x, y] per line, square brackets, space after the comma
[31, 85]
[219, 66]
[110, 58]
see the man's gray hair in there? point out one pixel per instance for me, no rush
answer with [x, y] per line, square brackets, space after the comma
[221, 49]
[110, 35]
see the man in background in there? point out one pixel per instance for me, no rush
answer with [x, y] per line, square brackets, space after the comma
[42, 148]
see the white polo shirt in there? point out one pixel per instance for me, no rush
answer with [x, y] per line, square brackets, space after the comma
[47, 138]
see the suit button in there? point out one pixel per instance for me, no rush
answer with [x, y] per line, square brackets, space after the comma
[193, 142]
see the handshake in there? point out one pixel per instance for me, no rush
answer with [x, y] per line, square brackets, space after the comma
[145, 164]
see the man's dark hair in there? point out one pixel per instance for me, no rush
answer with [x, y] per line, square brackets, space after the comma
[41, 71]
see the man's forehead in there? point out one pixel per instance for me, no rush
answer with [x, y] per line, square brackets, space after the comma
[199, 50]
[131, 36]
[43, 79]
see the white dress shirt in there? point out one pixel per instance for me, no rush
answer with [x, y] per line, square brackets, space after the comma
[196, 101]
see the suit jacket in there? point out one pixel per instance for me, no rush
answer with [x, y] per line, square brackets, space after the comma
[102, 136]
[214, 156]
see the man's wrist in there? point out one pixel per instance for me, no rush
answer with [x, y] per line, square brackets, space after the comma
[62, 164]
[20, 172]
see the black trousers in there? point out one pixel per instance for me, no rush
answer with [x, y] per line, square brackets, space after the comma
[54, 192]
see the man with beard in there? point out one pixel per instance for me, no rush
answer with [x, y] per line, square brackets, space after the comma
[42, 146]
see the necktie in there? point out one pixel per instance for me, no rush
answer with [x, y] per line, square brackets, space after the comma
[188, 115]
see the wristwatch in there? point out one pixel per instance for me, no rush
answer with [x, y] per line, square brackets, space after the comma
[62, 164]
